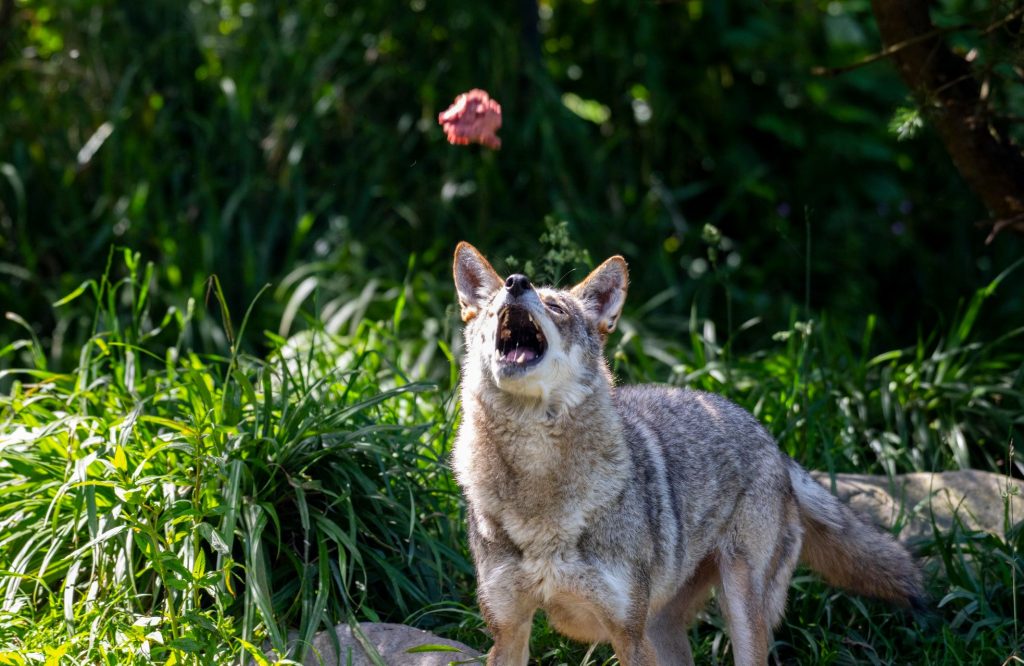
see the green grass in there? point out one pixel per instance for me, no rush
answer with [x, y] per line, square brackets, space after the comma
[160, 505]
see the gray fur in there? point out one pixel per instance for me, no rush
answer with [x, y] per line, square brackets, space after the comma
[616, 510]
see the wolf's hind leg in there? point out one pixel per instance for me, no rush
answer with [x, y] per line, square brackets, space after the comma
[667, 628]
[755, 576]
[744, 611]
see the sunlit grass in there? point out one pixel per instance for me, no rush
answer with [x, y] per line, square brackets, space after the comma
[162, 505]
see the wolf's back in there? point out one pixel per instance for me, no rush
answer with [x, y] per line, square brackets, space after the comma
[850, 553]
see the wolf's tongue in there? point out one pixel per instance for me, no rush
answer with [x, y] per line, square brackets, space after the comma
[520, 355]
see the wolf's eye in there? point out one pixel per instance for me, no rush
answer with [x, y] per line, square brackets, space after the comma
[554, 307]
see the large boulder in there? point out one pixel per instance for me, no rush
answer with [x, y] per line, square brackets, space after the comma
[970, 499]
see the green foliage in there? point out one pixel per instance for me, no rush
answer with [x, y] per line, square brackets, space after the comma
[562, 263]
[250, 139]
[178, 489]
[906, 123]
[163, 505]
[160, 504]
[950, 402]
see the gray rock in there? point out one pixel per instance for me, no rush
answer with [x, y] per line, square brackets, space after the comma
[392, 642]
[973, 499]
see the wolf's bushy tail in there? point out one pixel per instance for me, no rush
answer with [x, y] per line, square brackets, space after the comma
[850, 553]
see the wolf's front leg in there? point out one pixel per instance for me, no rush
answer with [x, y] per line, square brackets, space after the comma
[633, 648]
[630, 639]
[511, 643]
[510, 619]
[508, 612]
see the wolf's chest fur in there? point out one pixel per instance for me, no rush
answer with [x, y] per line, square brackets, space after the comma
[542, 486]
[533, 476]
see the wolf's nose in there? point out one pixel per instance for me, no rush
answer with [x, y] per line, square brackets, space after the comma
[517, 284]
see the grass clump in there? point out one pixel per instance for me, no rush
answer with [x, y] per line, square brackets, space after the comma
[161, 505]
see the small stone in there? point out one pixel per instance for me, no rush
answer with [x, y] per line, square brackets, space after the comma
[392, 642]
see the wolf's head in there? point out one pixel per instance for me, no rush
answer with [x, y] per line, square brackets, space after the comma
[536, 342]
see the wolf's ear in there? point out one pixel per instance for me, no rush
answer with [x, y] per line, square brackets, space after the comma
[475, 280]
[604, 292]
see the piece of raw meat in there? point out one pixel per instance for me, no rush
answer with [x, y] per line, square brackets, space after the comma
[472, 118]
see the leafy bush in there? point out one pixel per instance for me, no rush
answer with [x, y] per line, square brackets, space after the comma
[163, 505]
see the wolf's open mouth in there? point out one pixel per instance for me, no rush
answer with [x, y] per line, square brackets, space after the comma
[520, 340]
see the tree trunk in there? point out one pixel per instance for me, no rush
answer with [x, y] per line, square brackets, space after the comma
[945, 88]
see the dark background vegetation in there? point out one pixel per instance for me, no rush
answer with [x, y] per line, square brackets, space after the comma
[247, 140]
[798, 238]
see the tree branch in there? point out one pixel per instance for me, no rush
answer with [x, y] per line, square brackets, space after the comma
[937, 32]
[887, 51]
[950, 95]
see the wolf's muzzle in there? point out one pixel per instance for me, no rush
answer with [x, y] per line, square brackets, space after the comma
[520, 341]
[517, 284]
